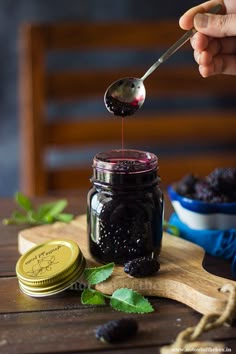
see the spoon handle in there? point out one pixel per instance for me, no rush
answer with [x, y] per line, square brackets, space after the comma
[180, 42]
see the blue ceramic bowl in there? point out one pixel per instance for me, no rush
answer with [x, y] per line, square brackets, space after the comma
[200, 215]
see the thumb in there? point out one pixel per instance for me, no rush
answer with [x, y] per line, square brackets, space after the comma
[216, 25]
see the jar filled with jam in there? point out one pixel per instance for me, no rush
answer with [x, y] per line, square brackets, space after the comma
[125, 206]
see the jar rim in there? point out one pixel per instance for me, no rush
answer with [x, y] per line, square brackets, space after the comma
[125, 161]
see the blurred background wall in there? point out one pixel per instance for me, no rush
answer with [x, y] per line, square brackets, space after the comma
[13, 13]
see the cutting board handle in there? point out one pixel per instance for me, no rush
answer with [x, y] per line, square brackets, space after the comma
[181, 278]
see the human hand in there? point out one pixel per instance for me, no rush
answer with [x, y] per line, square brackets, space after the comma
[215, 42]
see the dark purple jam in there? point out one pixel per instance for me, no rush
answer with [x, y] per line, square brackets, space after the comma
[125, 206]
[121, 109]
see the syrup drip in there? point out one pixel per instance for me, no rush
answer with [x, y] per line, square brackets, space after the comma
[122, 132]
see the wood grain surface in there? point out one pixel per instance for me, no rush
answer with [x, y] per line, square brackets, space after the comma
[180, 278]
[61, 324]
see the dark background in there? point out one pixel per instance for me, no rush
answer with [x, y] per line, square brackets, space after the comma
[15, 12]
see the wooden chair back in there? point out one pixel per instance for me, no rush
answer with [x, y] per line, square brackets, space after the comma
[190, 138]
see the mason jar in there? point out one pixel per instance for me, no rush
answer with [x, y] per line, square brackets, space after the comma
[125, 206]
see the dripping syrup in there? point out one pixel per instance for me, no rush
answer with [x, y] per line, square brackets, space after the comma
[122, 132]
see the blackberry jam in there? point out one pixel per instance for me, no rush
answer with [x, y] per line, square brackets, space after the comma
[125, 206]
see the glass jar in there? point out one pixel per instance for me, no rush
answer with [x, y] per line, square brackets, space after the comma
[125, 206]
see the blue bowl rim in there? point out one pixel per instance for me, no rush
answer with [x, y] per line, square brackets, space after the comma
[200, 206]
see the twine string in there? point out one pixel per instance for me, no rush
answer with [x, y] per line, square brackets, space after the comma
[207, 322]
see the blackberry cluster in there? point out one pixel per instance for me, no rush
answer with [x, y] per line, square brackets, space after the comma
[218, 187]
[124, 229]
[116, 330]
[142, 267]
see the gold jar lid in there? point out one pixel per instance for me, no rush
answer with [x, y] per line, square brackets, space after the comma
[50, 268]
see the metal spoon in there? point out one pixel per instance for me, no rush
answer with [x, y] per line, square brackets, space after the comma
[125, 96]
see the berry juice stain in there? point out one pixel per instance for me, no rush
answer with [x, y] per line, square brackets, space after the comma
[125, 206]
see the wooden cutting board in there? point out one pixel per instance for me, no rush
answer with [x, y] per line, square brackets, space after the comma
[181, 276]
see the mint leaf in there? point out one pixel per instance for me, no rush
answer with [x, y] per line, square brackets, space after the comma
[92, 297]
[23, 201]
[46, 213]
[33, 217]
[98, 274]
[55, 208]
[50, 212]
[64, 217]
[44, 209]
[123, 299]
[130, 301]
[18, 216]
[47, 219]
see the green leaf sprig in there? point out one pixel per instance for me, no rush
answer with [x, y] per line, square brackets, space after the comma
[123, 299]
[46, 213]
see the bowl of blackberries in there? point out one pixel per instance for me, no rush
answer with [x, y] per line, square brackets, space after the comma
[206, 202]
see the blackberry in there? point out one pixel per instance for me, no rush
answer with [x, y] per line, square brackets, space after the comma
[142, 266]
[186, 186]
[222, 180]
[204, 191]
[116, 330]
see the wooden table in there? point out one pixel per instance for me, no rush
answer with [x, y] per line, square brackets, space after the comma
[60, 324]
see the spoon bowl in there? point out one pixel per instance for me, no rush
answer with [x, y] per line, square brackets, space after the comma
[125, 96]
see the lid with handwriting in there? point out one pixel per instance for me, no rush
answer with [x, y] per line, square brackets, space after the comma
[50, 268]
